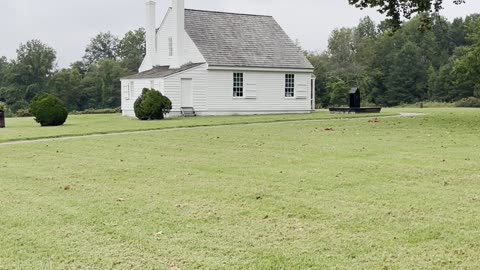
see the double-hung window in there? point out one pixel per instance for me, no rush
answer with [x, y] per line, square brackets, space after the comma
[289, 85]
[237, 84]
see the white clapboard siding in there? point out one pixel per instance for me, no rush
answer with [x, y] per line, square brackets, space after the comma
[172, 86]
[264, 92]
[166, 31]
[269, 93]
[129, 96]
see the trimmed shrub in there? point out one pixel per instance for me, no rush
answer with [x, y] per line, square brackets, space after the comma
[152, 105]
[48, 110]
[471, 102]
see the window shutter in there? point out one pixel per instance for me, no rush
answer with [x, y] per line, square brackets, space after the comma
[126, 92]
[302, 91]
[131, 90]
[250, 86]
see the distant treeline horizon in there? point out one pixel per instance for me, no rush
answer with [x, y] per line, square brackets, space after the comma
[410, 65]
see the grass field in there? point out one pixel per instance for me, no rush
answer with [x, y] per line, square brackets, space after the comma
[27, 129]
[401, 193]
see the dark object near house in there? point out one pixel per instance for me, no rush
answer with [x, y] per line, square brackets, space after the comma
[2, 119]
[354, 102]
[354, 99]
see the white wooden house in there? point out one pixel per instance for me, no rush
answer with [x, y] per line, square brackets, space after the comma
[221, 64]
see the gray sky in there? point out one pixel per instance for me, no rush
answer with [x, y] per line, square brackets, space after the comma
[68, 25]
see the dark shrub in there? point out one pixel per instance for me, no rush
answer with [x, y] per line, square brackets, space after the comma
[471, 102]
[152, 105]
[48, 110]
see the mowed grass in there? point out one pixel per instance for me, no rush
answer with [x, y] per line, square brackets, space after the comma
[19, 129]
[402, 193]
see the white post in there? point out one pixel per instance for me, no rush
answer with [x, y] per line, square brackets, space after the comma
[314, 94]
[178, 50]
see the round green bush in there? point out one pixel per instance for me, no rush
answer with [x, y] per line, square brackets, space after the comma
[48, 110]
[152, 105]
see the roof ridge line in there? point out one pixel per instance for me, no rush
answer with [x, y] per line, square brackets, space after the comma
[225, 12]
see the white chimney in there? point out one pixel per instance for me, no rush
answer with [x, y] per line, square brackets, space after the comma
[179, 31]
[150, 33]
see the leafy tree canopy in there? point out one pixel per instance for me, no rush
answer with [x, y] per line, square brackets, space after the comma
[395, 10]
[131, 49]
[30, 71]
[102, 46]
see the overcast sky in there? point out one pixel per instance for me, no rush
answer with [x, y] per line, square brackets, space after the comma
[68, 25]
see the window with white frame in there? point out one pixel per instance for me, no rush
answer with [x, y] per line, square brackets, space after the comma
[289, 85]
[237, 84]
[170, 46]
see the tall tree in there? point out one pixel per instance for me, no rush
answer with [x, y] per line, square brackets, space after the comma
[407, 81]
[80, 66]
[4, 65]
[132, 49]
[467, 67]
[65, 85]
[101, 85]
[102, 46]
[342, 49]
[366, 29]
[28, 74]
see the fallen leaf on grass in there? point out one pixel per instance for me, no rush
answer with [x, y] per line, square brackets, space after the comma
[120, 200]
[67, 188]
[329, 129]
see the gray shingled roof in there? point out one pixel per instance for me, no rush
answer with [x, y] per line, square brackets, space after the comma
[161, 72]
[227, 39]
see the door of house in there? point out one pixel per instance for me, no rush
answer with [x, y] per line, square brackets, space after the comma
[187, 93]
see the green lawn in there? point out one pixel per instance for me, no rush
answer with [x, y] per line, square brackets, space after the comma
[401, 193]
[27, 129]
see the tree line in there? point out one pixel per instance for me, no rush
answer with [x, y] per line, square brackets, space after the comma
[392, 66]
[92, 82]
[405, 65]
